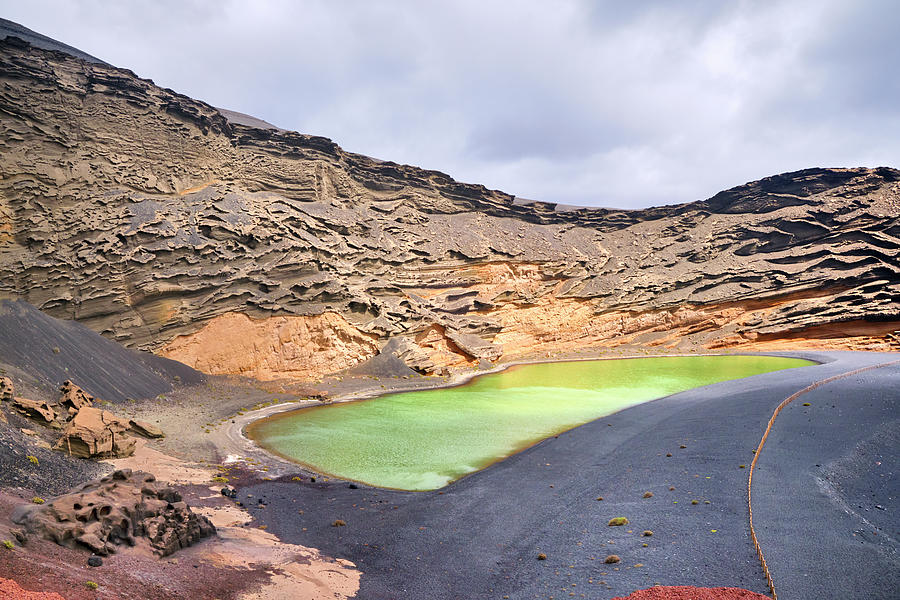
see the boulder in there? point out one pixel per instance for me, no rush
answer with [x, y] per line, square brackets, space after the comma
[35, 409]
[125, 508]
[96, 433]
[474, 346]
[73, 397]
[145, 429]
[6, 389]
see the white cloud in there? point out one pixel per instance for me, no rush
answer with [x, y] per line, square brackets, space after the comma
[583, 102]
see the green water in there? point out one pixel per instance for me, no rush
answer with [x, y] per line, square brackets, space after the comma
[424, 440]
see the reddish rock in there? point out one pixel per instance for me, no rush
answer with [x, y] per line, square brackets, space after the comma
[687, 592]
[10, 590]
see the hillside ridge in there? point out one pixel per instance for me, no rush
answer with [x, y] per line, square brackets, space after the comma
[154, 220]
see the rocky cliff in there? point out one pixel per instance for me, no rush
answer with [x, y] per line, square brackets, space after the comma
[160, 223]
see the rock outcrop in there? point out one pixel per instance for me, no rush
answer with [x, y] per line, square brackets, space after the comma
[6, 389]
[96, 433]
[125, 508]
[35, 409]
[158, 222]
[73, 398]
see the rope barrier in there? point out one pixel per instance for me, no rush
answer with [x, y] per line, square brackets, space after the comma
[785, 402]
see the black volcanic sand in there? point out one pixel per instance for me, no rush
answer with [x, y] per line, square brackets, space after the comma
[480, 537]
[48, 351]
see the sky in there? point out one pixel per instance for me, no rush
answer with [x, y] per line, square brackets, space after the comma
[621, 103]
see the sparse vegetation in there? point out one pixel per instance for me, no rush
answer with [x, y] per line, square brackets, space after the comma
[220, 479]
[33, 459]
[807, 404]
[618, 521]
[37, 500]
[91, 585]
[695, 502]
[647, 533]
[8, 544]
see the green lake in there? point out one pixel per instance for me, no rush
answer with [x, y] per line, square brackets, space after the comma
[424, 440]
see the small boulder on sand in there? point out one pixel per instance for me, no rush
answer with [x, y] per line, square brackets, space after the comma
[145, 429]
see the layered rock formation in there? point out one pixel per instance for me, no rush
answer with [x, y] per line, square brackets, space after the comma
[160, 223]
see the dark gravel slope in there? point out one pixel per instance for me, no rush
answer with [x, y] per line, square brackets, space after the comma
[828, 483]
[51, 350]
[480, 537]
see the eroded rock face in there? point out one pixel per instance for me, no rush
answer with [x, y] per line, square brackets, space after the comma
[125, 508]
[96, 433]
[35, 409]
[177, 226]
[295, 346]
[6, 389]
[73, 398]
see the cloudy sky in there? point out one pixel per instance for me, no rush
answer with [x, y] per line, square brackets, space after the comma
[605, 103]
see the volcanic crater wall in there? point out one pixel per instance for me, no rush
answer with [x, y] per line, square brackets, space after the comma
[156, 221]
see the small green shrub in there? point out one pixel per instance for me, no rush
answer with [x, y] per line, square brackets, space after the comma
[33, 459]
[8, 544]
[91, 585]
[647, 533]
[37, 500]
[618, 521]
[220, 479]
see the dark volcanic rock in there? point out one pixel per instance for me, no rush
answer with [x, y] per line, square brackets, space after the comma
[123, 508]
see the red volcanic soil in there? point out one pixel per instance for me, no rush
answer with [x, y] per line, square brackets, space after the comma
[10, 590]
[687, 592]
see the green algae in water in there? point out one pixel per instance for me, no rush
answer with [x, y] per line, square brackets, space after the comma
[427, 439]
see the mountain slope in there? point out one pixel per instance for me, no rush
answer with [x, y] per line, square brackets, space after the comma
[156, 221]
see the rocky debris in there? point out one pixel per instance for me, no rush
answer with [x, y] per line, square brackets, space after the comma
[145, 429]
[474, 346]
[10, 590]
[414, 356]
[125, 508]
[96, 433]
[6, 389]
[35, 409]
[206, 221]
[687, 592]
[73, 398]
